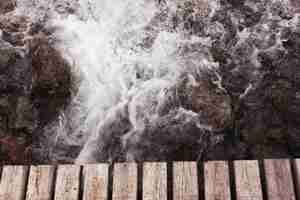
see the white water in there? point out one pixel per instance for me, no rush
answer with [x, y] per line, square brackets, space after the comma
[129, 61]
[106, 42]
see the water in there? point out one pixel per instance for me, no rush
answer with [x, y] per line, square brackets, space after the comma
[147, 83]
[126, 60]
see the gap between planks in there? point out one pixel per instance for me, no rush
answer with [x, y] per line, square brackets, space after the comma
[280, 179]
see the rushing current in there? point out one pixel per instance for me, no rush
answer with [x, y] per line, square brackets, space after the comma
[132, 64]
[155, 79]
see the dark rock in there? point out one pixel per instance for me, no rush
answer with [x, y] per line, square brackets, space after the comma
[236, 3]
[250, 110]
[51, 75]
[7, 54]
[35, 83]
[250, 16]
[26, 117]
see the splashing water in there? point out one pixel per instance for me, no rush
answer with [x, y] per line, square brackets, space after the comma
[148, 86]
[129, 63]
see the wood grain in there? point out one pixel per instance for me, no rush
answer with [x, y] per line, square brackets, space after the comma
[95, 182]
[279, 179]
[296, 164]
[13, 182]
[40, 183]
[67, 182]
[125, 181]
[247, 179]
[155, 181]
[185, 183]
[216, 178]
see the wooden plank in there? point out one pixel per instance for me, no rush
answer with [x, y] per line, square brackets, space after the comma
[67, 182]
[13, 182]
[95, 182]
[296, 164]
[185, 183]
[125, 181]
[216, 178]
[40, 183]
[155, 181]
[247, 179]
[279, 179]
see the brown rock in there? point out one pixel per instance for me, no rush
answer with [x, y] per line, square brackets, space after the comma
[51, 78]
[206, 98]
[35, 85]
[7, 6]
[50, 69]
[15, 151]
[14, 28]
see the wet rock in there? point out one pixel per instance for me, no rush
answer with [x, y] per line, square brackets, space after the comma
[190, 115]
[7, 54]
[190, 17]
[66, 7]
[26, 117]
[7, 6]
[14, 27]
[267, 121]
[250, 107]
[206, 98]
[250, 16]
[4, 108]
[14, 150]
[51, 75]
[236, 3]
[174, 136]
[228, 149]
[35, 82]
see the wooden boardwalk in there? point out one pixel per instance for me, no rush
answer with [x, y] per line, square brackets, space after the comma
[214, 180]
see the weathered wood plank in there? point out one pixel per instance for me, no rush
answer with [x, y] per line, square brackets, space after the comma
[155, 181]
[13, 182]
[279, 179]
[296, 164]
[185, 183]
[247, 179]
[95, 182]
[40, 183]
[67, 182]
[125, 181]
[216, 178]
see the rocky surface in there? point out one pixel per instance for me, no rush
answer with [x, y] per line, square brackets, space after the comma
[7, 6]
[249, 106]
[35, 84]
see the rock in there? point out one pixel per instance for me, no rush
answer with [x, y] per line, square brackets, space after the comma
[267, 117]
[7, 6]
[26, 115]
[14, 27]
[7, 54]
[190, 113]
[207, 99]
[227, 150]
[236, 3]
[35, 83]
[248, 108]
[51, 76]
[14, 150]
[50, 69]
